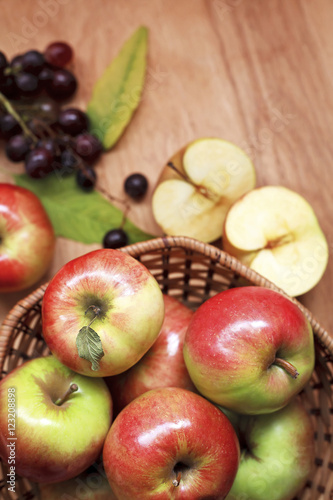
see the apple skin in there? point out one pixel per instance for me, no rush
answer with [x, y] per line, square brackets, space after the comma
[131, 303]
[162, 366]
[231, 345]
[27, 238]
[89, 485]
[54, 442]
[278, 454]
[159, 431]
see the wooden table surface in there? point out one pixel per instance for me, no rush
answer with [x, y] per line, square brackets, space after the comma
[256, 72]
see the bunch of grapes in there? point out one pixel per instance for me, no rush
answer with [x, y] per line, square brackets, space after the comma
[36, 129]
[45, 136]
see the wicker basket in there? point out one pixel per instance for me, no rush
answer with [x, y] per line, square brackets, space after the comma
[192, 272]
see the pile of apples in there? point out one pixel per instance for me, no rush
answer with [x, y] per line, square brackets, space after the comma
[271, 229]
[181, 405]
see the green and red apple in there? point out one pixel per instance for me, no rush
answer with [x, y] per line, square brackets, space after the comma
[102, 312]
[59, 420]
[197, 187]
[171, 443]
[275, 232]
[249, 349]
[27, 238]
[277, 454]
[162, 366]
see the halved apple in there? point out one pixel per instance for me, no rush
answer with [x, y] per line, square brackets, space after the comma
[275, 232]
[197, 187]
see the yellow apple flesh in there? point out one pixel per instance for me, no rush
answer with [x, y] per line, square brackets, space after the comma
[275, 232]
[193, 199]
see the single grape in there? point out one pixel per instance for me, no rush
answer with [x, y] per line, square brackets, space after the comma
[50, 145]
[27, 84]
[86, 178]
[68, 162]
[8, 126]
[38, 163]
[62, 86]
[18, 147]
[8, 87]
[73, 121]
[48, 110]
[58, 54]
[136, 186]
[32, 62]
[115, 238]
[16, 64]
[3, 63]
[46, 76]
[88, 147]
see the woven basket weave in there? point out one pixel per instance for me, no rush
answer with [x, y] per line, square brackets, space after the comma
[192, 272]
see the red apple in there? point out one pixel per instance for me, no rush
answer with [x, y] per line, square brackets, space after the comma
[27, 238]
[162, 366]
[102, 312]
[249, 349]
[171, 443]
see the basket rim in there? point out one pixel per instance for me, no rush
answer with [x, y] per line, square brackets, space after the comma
[161, 243]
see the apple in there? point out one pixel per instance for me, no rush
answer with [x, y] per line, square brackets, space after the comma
[162, 366]
[197, 187]
[27, 238]
[275, 232]
[90, 485]
[277, 454]
[102, 312]
[171, 443]
[249, 349]
[53, 421]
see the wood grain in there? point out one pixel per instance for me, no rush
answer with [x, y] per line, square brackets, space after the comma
[257, 73]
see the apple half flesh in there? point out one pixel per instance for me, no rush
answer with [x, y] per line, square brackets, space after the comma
[275, 232]
[197, 187]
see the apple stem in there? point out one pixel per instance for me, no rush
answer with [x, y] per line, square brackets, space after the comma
[286, 366]
[176, 481]
[72, 388]
[9, 108]
[202, 190]
[96, 310]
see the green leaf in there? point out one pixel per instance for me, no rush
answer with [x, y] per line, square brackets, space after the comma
[89, 346]
[117, 93]
[77, 215]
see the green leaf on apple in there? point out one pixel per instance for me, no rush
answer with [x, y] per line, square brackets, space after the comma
[77, 215]
[89, 346]
[117, 93]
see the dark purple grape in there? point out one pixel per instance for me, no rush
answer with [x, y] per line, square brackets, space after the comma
[58, 54]
[86, 178]
[73, 121]
[8, 126]
[38, 163]
[27, 84]
[68, 162]
[62, 86]
[3, 63]
[16, 64]
[116, 238]
[136, 186]
[88, 147]
[46, 76]
[32, 62]
[50, 145]
[18, 147]
[8, 86]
